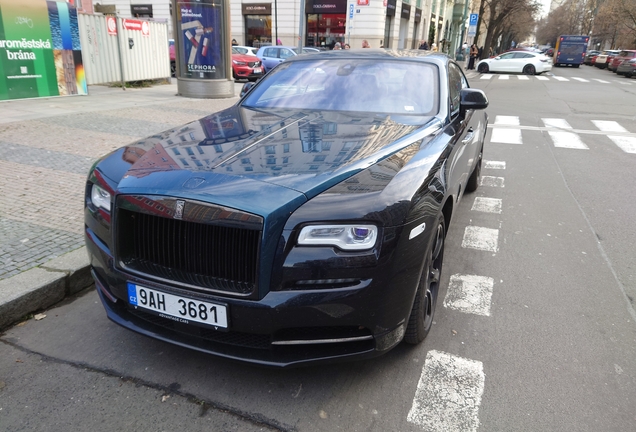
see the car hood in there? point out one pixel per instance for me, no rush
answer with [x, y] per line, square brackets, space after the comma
[246, 152]
[245, 58]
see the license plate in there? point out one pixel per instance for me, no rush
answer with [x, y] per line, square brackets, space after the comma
[177, 308]
[257, 70]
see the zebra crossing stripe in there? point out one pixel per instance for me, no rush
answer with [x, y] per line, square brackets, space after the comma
[495, 165]
[469, 294]
[487, 205]
[480, 238]
[448, 394]
[490, 181]
[523, 78]
[486, 76]
[622, 82]
[601, 81]
[540, 78]
[507, 135]
[608, 126]
[504, 77]
[558, 78]
[563, 139]
[580, 79]
[627, 144]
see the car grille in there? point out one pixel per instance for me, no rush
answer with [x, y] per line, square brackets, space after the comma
[218, 253]
[254, 64]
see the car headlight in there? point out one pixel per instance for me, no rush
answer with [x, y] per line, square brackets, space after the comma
[240, 63]
[345, 237]
[100, 198]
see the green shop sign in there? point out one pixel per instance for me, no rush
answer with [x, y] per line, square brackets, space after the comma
[40, 53]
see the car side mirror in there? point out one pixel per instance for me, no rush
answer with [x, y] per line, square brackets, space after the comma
[497, 58]
[246, 88]
[474, 99]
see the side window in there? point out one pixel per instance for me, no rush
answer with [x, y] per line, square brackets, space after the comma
[269, 52]
[284, 53]
[456, 82]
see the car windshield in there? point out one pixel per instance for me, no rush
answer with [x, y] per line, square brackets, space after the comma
[381, 86]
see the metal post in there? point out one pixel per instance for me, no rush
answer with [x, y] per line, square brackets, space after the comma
[121, 60]
[276, 21]
[301, 26]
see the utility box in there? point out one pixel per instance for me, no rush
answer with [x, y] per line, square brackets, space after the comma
[202, 48]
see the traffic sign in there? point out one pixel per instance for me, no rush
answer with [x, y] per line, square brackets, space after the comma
[350, 10]
[473, 19]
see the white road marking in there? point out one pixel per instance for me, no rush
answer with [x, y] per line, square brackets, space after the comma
[580, 79]
[540, 78]
[567, 140]
[448, 394]
[481, 238]
[495, 165]
[556, 123]
[486, 76]
[558, 78]
[487, 205]
[623, 82]
[469, 294]
[627, 144]
[601, 81]
[563, 139]
[523, 77]
[490, 181]
[504, 77]
[609, 126]
[507, 120]
[506, 136]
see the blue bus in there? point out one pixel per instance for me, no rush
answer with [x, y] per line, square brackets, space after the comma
[570, 50]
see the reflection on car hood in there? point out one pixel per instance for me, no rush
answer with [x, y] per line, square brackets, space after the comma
[304, 151]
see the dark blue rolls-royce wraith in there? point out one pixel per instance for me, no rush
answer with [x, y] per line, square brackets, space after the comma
[304, 224]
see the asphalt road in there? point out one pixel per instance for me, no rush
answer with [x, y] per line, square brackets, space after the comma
[548, 344]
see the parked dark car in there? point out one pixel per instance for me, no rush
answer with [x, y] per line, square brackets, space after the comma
[627, 68]
[618, 59]
[304, 224]
[590, 57]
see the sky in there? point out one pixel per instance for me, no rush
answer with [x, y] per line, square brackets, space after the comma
[546, 7]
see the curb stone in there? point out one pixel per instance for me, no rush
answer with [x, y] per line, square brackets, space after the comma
[43, 286]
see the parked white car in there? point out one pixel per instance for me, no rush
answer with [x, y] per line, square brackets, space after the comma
[245, 49]
[526, 62]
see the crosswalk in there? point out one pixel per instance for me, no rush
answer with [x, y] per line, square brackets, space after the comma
[515, 77]
[508, 130]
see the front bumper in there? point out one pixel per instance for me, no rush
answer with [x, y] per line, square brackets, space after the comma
[284, 328]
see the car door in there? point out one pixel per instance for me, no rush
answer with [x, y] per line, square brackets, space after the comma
[270, 58]
[466, 132]
[502, 63]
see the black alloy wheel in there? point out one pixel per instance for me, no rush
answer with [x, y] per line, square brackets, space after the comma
[483, 68]
[421, 319]
[529, 70]
[473, 180]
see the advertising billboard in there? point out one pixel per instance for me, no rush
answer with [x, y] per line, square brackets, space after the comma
[202, 49]
[40, 53]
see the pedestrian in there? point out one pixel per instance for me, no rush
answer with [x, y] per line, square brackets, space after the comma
[434, 47]
[346, 46]
[473, 55]
[423, 45]
[365, 44]
[279, 42]
[381, 44]
[234, 42]
[337, 46]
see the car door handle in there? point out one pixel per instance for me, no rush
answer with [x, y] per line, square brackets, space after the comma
[469, 136]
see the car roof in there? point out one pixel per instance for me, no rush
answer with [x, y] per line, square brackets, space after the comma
[379, 54]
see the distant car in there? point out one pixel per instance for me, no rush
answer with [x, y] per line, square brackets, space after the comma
[171, 52]
[273, 55]
[245, 49]
[526, 62]
[602, 58]
[619, 58]
[627, 68]
[304, 224]
[245, 66]
[590, 57]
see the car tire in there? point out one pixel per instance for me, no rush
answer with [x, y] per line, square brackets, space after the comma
[173, 69]
[483, 68]
[529, 70]
[473, 181]
[421, 318]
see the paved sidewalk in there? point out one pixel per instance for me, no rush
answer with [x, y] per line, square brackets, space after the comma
[47, 147]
